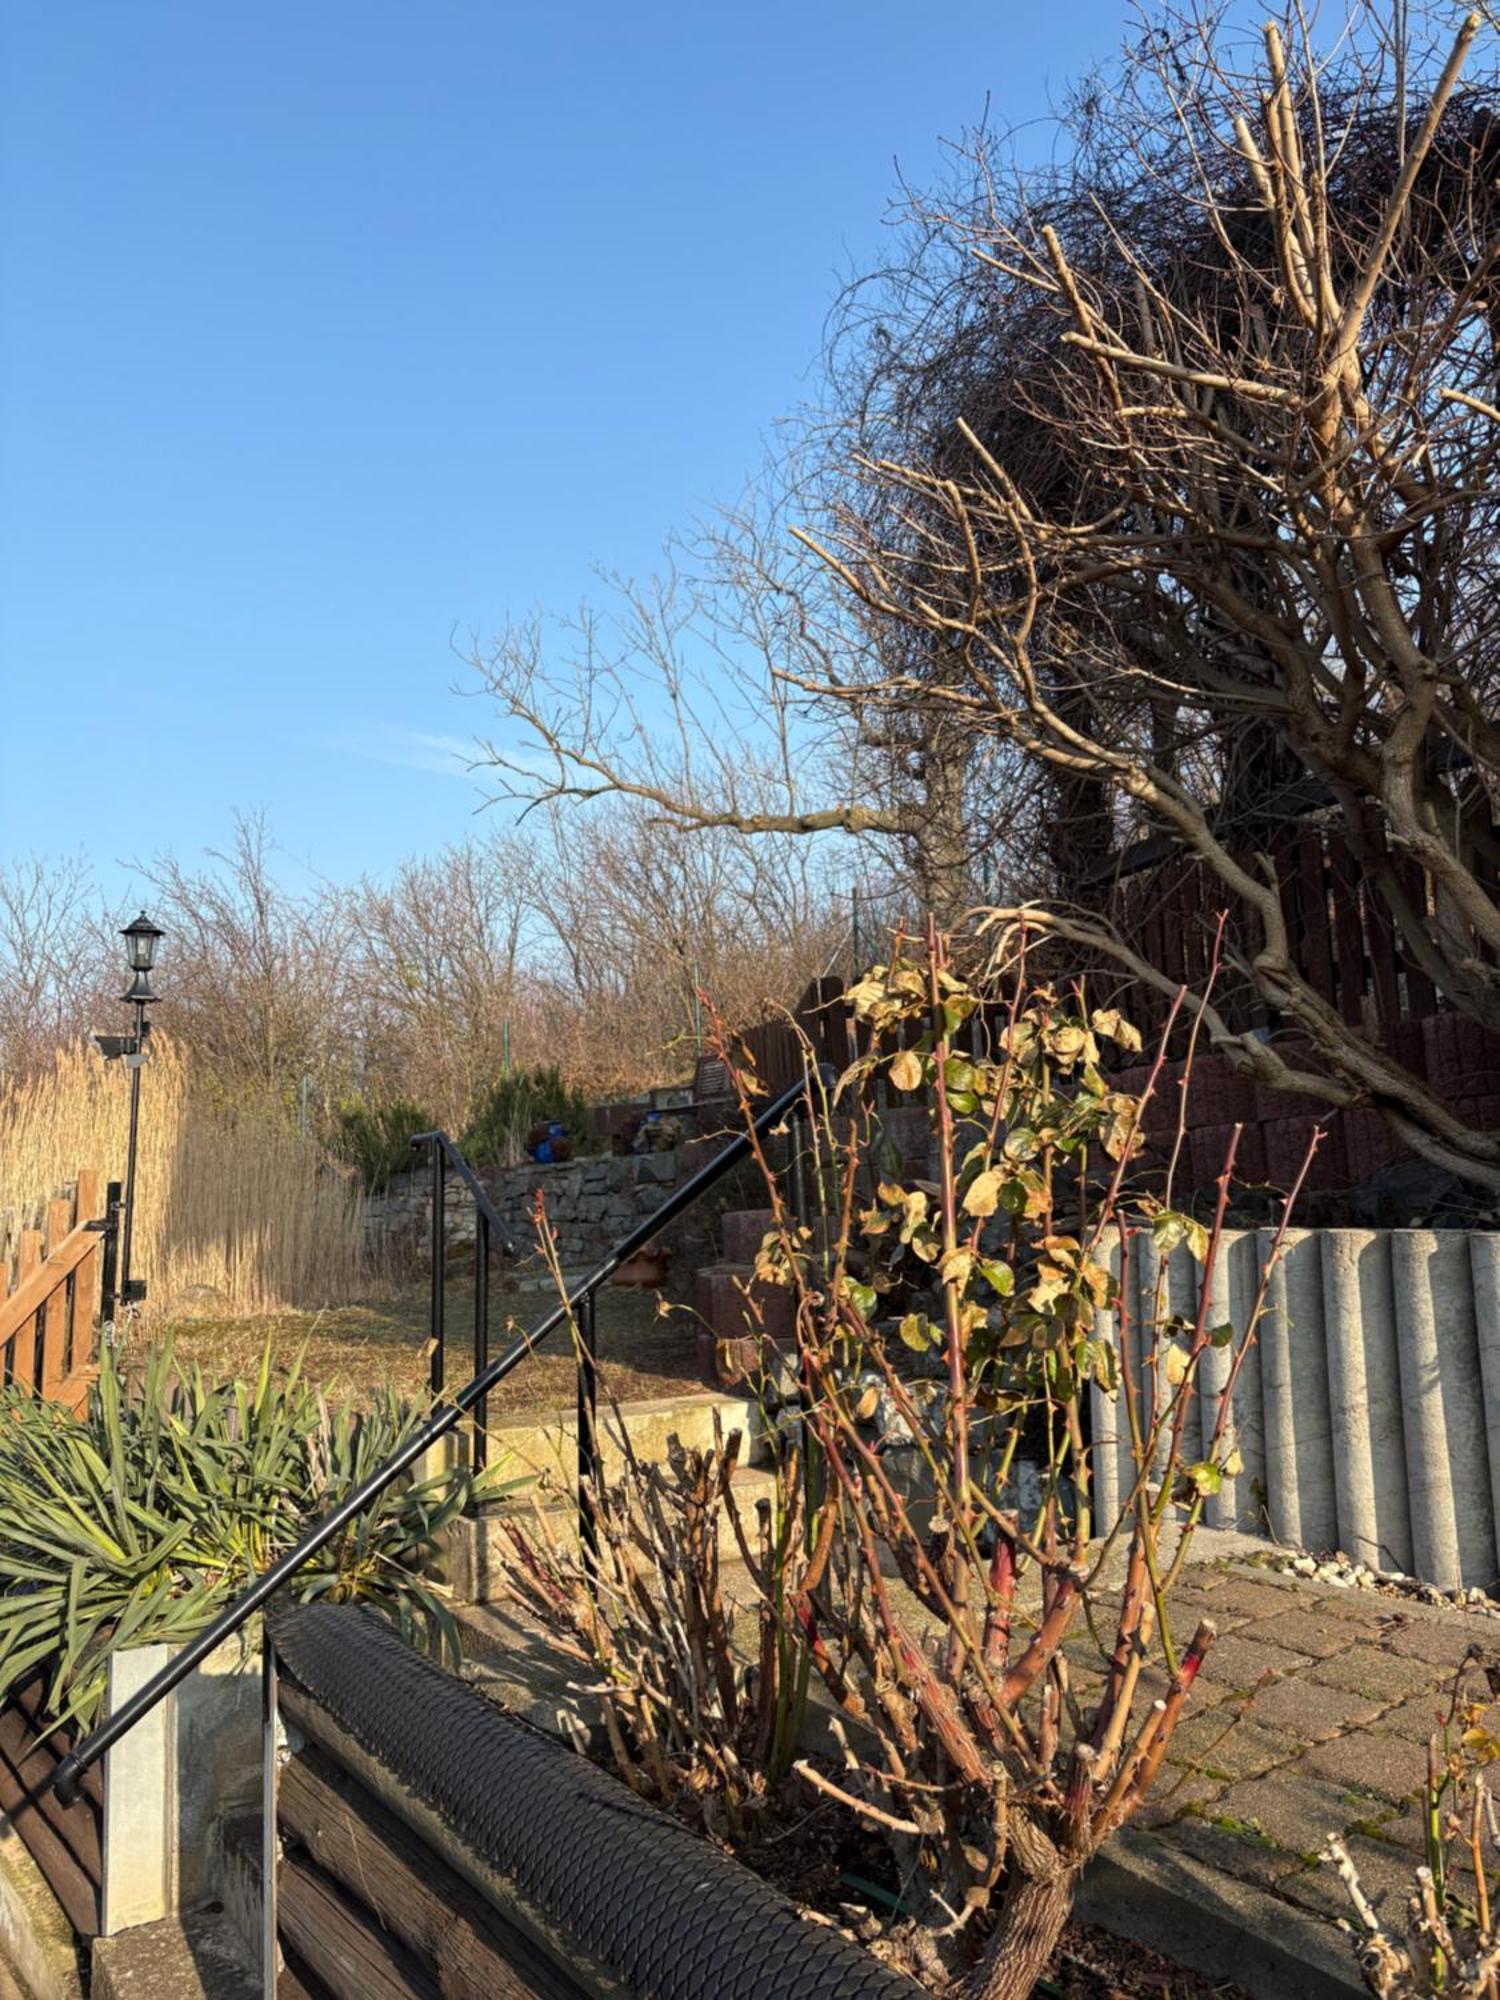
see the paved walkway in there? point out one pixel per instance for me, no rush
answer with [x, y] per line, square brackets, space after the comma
[1311, 1717]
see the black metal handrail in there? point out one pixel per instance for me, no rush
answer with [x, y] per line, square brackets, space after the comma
[70, 1771]
[446, 1160]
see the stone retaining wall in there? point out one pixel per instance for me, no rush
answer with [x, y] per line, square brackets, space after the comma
[591, 1203]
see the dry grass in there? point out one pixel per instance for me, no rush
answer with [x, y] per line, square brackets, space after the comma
[234, 1212]
[354, 1349]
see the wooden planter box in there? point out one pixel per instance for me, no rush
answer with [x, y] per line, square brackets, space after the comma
[65, 1842]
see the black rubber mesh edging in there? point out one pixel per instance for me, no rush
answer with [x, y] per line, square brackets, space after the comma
[645, 1900]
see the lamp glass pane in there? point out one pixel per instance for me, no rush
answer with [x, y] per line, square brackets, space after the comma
[140, 944]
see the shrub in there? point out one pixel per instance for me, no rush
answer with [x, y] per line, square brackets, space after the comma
[376, 1138]
[1004, 1664]
[496, 1135]
[141, 1519]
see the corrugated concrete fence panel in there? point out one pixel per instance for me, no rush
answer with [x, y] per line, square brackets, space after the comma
[1447, 1459]
[1213, 1384]
[1484, 1261]
[1301, 1496]
[1451, 1275]
[1182, 1296]
[1364, 1380]
[1367, 1414]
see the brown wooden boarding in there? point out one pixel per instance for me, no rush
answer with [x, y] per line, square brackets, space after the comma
[49, 1306]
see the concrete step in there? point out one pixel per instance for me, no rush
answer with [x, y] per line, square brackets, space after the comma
[196, 1957]
[526, 1449]
[475, 1548]
[37, 1944]
[727, 1298]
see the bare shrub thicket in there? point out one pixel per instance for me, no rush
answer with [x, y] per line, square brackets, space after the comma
[588, 954]
[1000, 1657]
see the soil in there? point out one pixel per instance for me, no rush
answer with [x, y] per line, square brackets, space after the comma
[1092, 1965]
[828, 1863]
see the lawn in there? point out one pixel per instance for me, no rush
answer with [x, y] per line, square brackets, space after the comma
[351, 1350]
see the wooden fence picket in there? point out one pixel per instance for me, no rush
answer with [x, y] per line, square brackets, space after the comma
[48, 1309]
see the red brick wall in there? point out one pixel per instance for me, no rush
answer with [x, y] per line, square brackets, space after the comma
[1458, 1059]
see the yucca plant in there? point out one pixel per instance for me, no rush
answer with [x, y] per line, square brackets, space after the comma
[137, 1521]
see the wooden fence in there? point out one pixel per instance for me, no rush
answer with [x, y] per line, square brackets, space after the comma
[64, 1841]
[777, 1049]
[49, 1304]
[1339, 927]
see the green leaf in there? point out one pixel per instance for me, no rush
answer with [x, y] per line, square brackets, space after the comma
[999, 1275]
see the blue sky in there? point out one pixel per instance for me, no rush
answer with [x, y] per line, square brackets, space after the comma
[328, 329]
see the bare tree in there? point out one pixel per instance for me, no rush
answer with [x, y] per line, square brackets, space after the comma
[53, 956]
[637, 921]
[256, 977]
[439, 972]
[704, 697]
[1202, 514]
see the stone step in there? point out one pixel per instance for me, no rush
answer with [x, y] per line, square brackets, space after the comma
[474, 1547]
[741, 1231]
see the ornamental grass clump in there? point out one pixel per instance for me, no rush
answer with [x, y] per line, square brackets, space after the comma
[139, 1520]
[998, 1664]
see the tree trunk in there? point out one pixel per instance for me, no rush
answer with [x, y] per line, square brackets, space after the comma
[1031, 1921]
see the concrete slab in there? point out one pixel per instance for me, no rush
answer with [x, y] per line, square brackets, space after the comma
[1145, 1888]
[548, 1444]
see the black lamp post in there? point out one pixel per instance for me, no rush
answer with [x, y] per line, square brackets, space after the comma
[140, 955]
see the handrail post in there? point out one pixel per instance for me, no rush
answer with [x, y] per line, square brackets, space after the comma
[109, 1262]
[269, 1838]
[588, 1443]
[439, 1273]
[481, 1452]
[796, 1132]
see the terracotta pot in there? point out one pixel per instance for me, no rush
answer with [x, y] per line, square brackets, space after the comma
[647, 1269]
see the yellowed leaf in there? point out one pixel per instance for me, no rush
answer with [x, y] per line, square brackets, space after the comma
[906, 1070]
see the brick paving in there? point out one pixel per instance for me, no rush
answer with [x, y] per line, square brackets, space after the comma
[1312, 1717]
